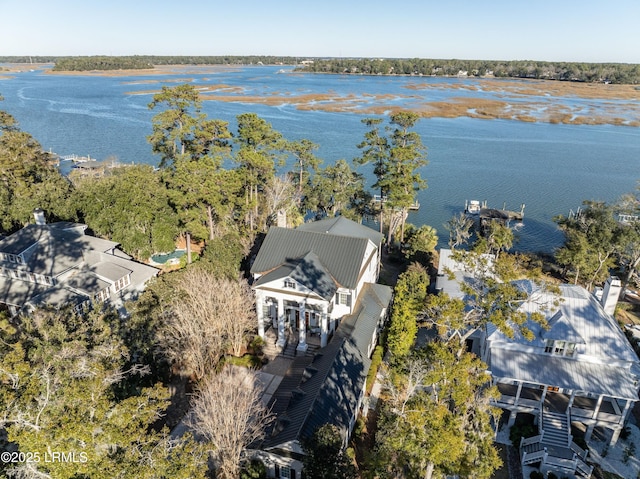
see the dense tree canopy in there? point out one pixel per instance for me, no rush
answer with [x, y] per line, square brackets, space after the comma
[437, 421]
[28, 179]
[324, 455]
[567, 71]
[67, 384]
[116, 207]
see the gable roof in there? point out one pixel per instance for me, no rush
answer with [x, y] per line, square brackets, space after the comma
[307, 271]
[342, 226]
[340, 256]
[579, 316]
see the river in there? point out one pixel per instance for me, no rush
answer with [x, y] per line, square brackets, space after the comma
[551, 168]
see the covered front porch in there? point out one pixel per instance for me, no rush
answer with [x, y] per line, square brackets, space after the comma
[301, 321]
[590, 409]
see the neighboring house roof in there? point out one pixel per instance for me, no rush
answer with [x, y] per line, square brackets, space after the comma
[581, 318]
[59, 294]
[17, 292]
[340, 257]
[596, 378]
[327, 388]
[32, 233]
[80, 265]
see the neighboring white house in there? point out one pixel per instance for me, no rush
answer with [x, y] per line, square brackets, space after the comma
[318, 282]
[306, 279]
[581, 371]
[57, 264]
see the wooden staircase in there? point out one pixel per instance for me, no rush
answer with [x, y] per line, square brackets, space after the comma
[554, 448]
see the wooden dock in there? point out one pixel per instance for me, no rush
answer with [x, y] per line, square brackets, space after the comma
[505, 216]
[377, 199]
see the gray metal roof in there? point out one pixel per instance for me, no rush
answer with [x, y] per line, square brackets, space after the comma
[342, 226]
[109, 270]
[17, 292]
[558, 371]
[58, 296]
[561, 329]
[341, 256]
[307, 271]
[86, 282]
[581, 317]
[63, 247]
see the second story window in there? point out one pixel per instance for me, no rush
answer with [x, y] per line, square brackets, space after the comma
[122, 282]
[289, 284]
[559, 348]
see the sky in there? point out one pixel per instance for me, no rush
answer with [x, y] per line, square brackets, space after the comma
[558, 30]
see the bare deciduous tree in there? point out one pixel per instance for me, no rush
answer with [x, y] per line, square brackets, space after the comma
[229, 413]
[210, 315]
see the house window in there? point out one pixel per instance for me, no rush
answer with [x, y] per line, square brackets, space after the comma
[122, 282]
[344, 299]
[559, 348]
[102, 295]
[289, 284]
[548, 347]
[32, 277]
[287, 473]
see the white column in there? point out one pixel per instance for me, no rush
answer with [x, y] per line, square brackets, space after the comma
[597, 409]
[260, 312]
[302, 329]
[518, 393]
[324, 328]
[544, 395]
[571, 399]
[281, 338]
[627, 407]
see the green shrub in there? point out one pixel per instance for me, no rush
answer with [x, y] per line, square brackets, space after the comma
[521, 430]
[536, 475]
[254, 470]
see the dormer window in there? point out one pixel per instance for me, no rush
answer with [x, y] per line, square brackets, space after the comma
[289, 284]
[559, 348]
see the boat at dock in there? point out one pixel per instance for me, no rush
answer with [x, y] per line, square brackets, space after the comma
[473, 207]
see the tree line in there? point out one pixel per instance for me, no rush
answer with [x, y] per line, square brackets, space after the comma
[621, 73]
[541, 70]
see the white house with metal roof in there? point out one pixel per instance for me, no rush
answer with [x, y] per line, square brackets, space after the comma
[581, 371]
[316, 284]
[306, 279]
[57, 264]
